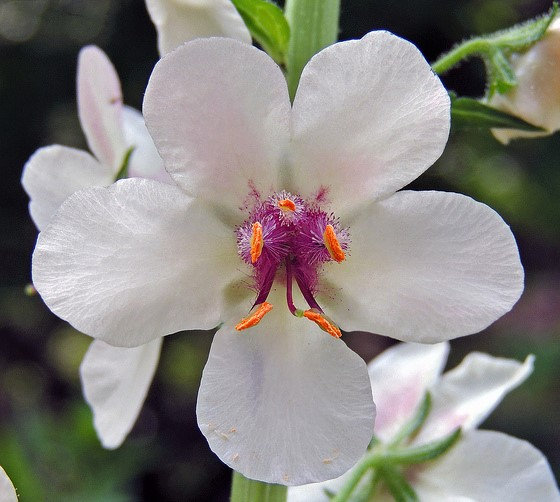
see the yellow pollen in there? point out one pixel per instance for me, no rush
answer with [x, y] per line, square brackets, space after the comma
[254, 319]
[324, 323]
[287, 205]
[257, 242]
[333, 246]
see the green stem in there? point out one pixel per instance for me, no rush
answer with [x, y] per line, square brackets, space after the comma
[462, 51]
[313, 26]
[249, 490]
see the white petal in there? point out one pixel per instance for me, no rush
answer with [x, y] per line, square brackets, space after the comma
[466, 395]
[425, 267]
[145, 161]
[178, 21]
[135, 261]
[115, 382]
[7, 490]
[487, 466]
[55, 172]
[218, 112]
[284, 402]
[400, 377]
[369, 117]
[100, 106]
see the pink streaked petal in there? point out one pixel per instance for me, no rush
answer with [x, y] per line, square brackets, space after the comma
[400, 377]
[100, 106]
[466, 395]
[284, 402]
[218, 112]
[369, 116]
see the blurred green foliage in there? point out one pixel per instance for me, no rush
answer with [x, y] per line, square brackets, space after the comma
[47, 442]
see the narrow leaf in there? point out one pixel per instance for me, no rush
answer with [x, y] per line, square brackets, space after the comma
[267, 25]
[249, 490]
[397, 484]
[423, 453]
[468, 113]
[123, 168]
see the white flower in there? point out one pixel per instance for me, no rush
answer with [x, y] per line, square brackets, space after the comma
[252, 222]
[482, 465]
[7, 490]
[536, 98]
[178, 21]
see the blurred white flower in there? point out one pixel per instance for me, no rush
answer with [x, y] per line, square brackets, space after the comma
[7, 490]
[482, 465]
[259, 183]
[536, 98]
[178, 21]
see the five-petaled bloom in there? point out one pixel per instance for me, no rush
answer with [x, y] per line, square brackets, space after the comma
[283, 215]
[482, 465]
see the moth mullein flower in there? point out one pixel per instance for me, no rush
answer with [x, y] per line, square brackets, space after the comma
[482, 465]
[283, 229]
[536, 98]
[7, 490]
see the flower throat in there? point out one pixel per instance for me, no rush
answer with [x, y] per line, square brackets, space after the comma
[285, 232]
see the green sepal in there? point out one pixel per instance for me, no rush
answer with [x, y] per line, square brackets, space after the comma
[501, 75]
[523, 35]
[249, 490]
[397, 484]
[422, 453]
[468, 113]
[123, 168]
[496, 48]
[267, 25]
[411, 427]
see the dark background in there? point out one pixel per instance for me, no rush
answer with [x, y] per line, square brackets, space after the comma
[47, 442]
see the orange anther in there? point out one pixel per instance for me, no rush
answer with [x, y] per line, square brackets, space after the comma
[324, 323]
[333, 246]
[287, 205]
[254, 319]
[257, 242]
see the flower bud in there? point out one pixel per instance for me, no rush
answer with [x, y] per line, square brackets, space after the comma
[536, 98]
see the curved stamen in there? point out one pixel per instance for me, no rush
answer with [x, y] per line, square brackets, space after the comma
[323, 322]
[306, 291]
[254, 319]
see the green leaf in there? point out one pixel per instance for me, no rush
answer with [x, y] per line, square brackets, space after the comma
[267, 25]
[313, 26]
[249, 490]
[468, 113]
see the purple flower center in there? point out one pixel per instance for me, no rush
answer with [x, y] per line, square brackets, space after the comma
[287, 236]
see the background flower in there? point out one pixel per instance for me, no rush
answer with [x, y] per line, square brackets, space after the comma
[482, 465]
